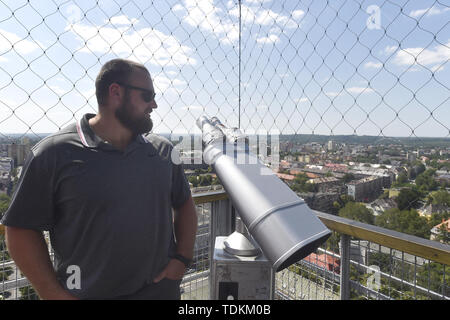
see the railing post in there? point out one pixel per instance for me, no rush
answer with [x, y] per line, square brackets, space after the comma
[345, 267]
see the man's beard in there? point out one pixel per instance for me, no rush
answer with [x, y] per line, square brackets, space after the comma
[137, 125]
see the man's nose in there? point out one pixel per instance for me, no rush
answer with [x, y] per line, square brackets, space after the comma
[153, 104]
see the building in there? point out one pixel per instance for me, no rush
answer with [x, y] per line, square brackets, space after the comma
[381, 205]
[287, 178]
[331, 145]
[6, 165]
[321, 201]
[325, 261]
[326, 183]
[436, 230]
[428, 210]
[18, 152]
[365, 189]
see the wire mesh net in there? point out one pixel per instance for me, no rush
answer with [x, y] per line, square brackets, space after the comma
[341, 67]
[321, 67]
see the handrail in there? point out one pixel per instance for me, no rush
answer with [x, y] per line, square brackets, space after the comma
[417, 246]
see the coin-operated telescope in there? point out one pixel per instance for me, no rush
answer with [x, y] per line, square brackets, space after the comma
[280, 222]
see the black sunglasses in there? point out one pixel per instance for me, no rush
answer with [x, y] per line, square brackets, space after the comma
[147, 95]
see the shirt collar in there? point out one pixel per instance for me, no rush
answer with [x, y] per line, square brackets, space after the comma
[90, 140]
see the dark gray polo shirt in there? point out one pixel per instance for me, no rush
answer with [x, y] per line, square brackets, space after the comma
[108, 212]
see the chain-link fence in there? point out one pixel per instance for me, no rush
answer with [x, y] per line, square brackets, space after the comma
[313, 70]
[323, 67]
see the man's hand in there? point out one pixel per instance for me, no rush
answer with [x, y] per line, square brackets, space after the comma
[174, 270]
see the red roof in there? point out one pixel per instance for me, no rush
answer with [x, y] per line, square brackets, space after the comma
[446, 223]
[285, 176]
[311, 175]
[324, 261]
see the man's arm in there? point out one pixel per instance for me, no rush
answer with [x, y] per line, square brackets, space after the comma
[185, 224]
[29, 251]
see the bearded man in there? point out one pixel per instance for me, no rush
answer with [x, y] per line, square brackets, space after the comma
[120, 213]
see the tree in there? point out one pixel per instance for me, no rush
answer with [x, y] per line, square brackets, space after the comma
[348, 177]
[408, 198]
[358, 212]
[425, 180]
[4, 203]
[441, 197]
[443, 234]
[406, 221]
[301, 184]
[437, 218]
[402, 178]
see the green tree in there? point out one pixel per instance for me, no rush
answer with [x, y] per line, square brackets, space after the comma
[348, 177]
[437, 218]
[425, 181]
[406, 221]
[358, 212]
[301, 184]
[28, 293]
[408, 198]
[432, 276]
[441, 197]
[4, 203]
[401, 179]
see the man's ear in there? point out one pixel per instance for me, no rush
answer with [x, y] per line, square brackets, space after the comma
[115, 93]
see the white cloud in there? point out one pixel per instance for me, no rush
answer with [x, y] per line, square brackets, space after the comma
[270, 39]
[437, 55]
[390, 49]
[359, 90]
[332, 93]
[297, 14]
[178, 7]
[428, 11]
[203, 14]
[267, 17]
[8, 40]
[122, 20]
[162, 83]
[58, 90]
[171, 73]
[304, 99]
[193, 108]
[353, 90]
[145, 44]
[257, 1]
[375, 65]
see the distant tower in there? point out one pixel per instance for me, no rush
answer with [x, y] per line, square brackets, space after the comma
[331, 145]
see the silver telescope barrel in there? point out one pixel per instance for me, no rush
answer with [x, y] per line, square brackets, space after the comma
[232, 134]
[282, 224]
[211, 134]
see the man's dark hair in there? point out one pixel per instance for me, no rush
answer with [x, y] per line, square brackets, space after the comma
[116, 70]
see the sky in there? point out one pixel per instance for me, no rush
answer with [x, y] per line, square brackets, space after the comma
[324, 67]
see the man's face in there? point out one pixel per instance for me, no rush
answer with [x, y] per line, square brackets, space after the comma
[134, 112]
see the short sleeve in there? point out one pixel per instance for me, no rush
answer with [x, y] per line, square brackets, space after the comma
[32, 202]
[180, 186]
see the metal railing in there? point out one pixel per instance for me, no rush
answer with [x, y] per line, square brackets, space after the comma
[359, 261]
